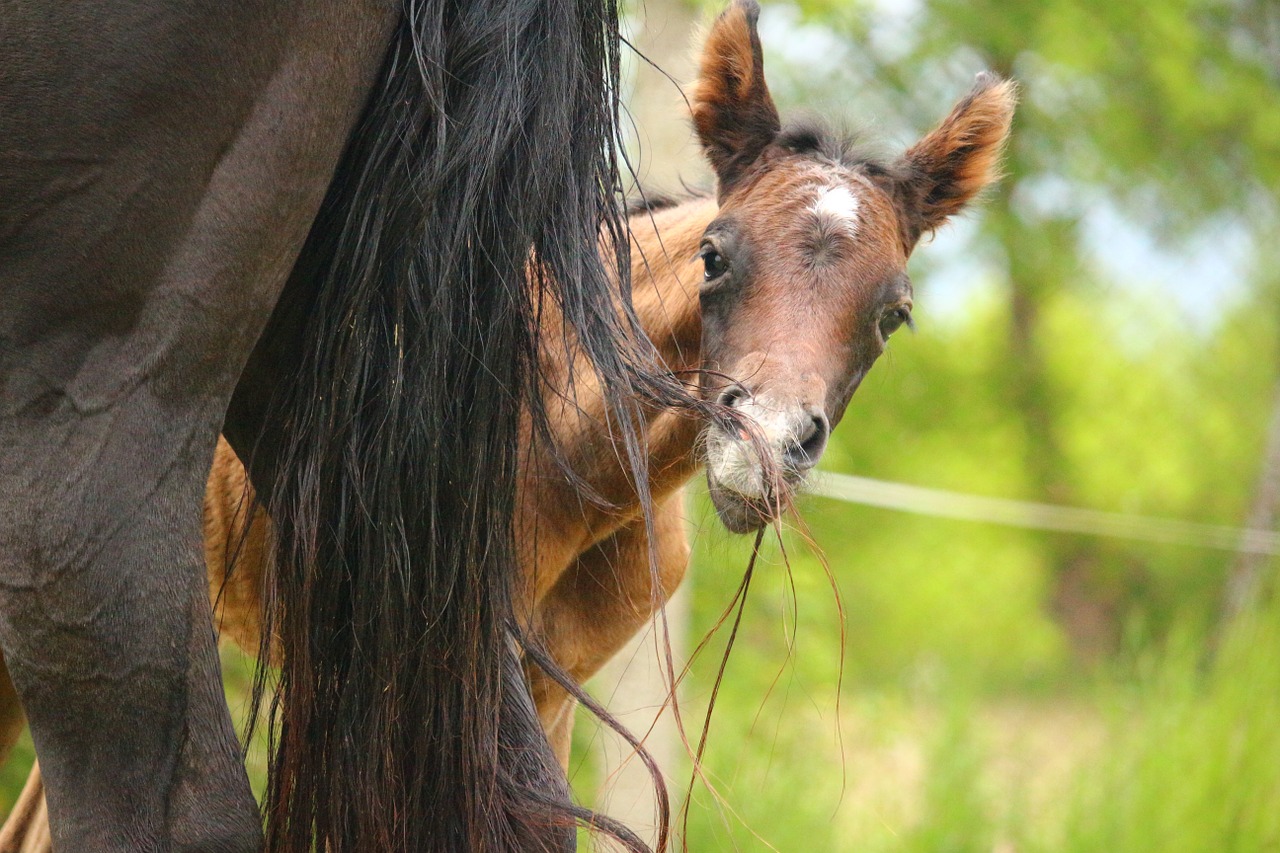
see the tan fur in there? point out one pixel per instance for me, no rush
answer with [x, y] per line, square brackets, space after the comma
[727, 72]
[588, 584]
[588, 570]
[237, 595]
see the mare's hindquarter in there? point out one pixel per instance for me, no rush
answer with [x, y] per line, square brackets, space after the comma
[160, 165]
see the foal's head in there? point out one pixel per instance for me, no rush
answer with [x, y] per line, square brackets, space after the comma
[805, 263]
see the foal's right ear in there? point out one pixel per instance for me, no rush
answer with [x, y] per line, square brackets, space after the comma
[732, 109]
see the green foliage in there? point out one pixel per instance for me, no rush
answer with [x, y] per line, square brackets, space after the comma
[1161, 752]
[1194, 757]
[1069, 379]
[13, 775]
[1125, 97]
[955, 813]
[946, 619]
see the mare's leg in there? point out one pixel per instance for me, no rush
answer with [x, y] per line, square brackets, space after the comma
[236, 608]
[599, 604]
[236, 559]
[107, 632]
[160, 166]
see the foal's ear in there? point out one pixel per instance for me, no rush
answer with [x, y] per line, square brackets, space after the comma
[961, 156]
[733, 112]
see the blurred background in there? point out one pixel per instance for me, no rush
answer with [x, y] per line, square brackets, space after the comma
[1102, 332]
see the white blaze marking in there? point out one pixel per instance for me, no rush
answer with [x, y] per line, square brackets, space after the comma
[839, 206]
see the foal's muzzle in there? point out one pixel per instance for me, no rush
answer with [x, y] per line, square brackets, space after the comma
[753, 472]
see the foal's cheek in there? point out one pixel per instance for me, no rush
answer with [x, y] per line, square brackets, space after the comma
[715, 342]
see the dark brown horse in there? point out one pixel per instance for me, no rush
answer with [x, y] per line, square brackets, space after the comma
[306, 225]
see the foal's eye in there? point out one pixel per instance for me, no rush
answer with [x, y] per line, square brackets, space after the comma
[714, 264]
[894, 319]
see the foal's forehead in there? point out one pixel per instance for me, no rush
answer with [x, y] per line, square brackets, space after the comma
[824, 211]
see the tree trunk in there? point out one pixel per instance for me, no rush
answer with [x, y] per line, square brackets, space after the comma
[1080, 599]
[661, 146]
[1245, 580]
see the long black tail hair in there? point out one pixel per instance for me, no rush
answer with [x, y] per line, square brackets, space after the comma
[402, 718]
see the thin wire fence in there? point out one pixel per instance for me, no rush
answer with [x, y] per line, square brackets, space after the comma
[1040, 516]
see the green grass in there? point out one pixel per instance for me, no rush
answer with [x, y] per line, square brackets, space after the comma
[1193, 762]
[1165, 751]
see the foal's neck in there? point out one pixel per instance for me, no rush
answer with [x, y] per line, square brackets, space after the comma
[665, 276]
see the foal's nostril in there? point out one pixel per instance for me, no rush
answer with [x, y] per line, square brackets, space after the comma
[805, 451]
[732, 396]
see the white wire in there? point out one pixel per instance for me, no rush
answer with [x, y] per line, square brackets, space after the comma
[1039, 516]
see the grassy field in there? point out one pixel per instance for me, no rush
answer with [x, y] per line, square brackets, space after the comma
[1164, 750]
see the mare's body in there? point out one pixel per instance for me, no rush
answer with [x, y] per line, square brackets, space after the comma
[158, 176]
[165, 169]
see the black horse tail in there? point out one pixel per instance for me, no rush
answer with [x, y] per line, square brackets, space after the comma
[401, 720]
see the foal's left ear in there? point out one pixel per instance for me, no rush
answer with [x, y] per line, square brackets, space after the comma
[732, 109]
[960, 157]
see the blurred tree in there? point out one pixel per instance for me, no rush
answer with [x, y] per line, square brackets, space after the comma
[662, 149]
[1246, 581]
[1246, 574]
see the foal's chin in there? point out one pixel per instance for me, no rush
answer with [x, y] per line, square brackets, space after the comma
[745, 495]
[741, 513]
